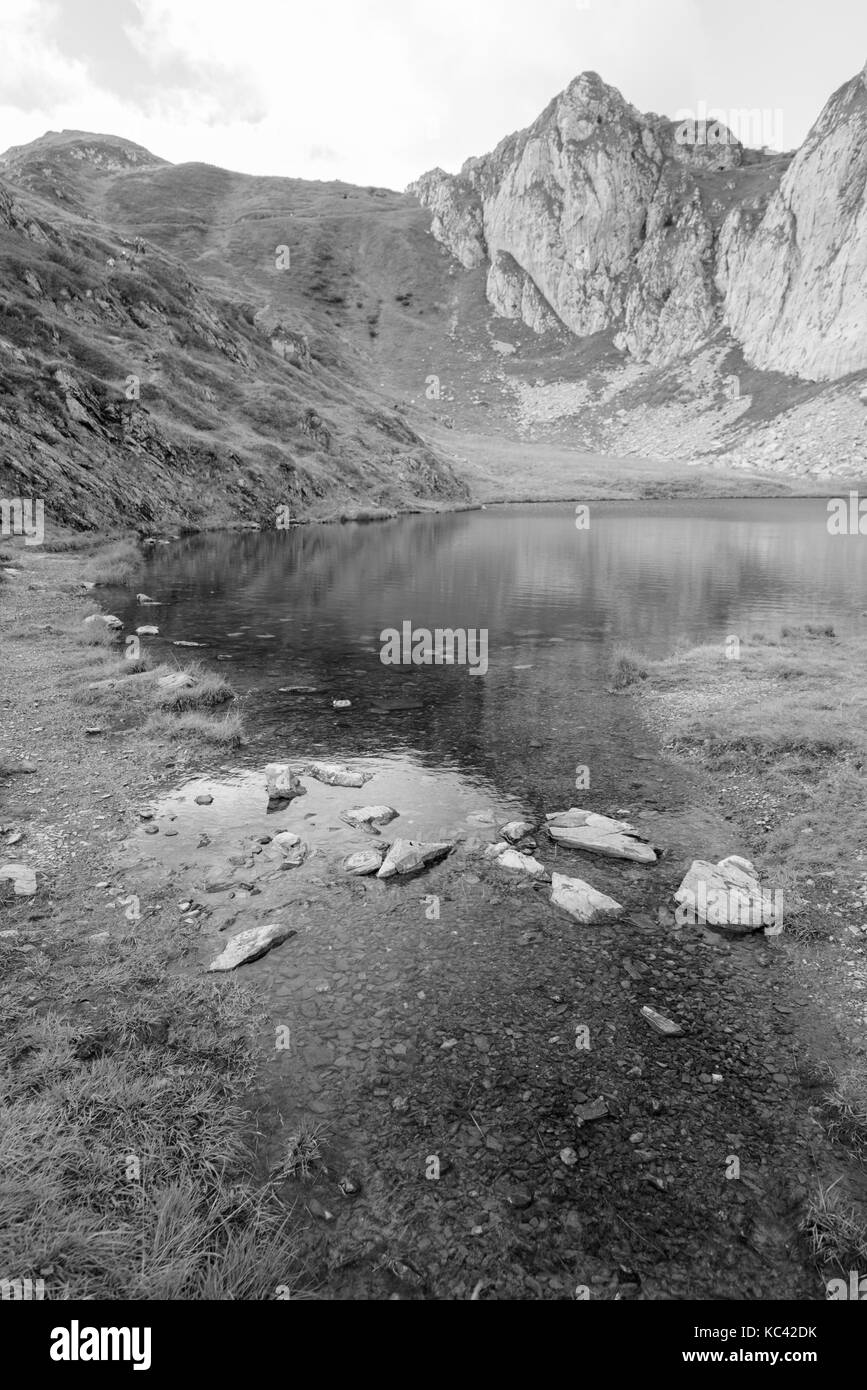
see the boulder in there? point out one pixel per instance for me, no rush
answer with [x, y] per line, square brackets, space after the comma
[177, 680]
[409, 856]
[335, 774]
[582, 902]
[371, 818]
[283, 785]
[516, 830]
[147, 632]
[21, 876]
[599, 835]
[250, 945]
[727, 894]
[369, 861]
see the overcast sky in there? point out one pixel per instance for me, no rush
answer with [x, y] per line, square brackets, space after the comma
[377, 91]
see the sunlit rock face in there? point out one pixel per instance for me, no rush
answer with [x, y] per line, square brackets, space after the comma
[795, 281]
[598, 218]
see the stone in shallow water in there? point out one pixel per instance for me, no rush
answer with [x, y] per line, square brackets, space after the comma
[293, 849]
[334, 774]
[283, 785]
[369, 817]
[250, 945]
[408, 856]
[582, 902]
[599, 835]
[516, 830]
[521, 863]
[368, 861]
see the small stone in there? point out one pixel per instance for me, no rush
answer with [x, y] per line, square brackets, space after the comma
[204, 800]
[569, 1157]
[661, 1023]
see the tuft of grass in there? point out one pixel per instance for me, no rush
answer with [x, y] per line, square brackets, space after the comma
[846, 1120]
[228, 731]
[209, 691]
[629, 668]
[835, 1233]
[127, 1173]
[302, 1150]
[118, 564]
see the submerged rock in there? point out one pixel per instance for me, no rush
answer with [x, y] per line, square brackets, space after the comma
[582, 902]
[408, 856]
[371, 818]
[521, 863]
[334, 774]
[250, 945]
[516, 830]
[599, 835]
[283, 785]
[368, 861]
[292, 848]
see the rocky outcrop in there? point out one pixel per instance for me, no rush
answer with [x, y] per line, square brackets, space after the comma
[795, 280]
[600, 218]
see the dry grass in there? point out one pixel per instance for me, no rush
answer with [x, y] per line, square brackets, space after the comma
[228, 731]
[126, 1173]
[208, 691]
[118, 564]
[836, 1235]
[628, 668]
[794, 710]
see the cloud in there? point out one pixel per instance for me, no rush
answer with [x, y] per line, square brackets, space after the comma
[383, 90]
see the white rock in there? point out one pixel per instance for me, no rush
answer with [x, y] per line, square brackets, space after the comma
[22, 877]
[599, 835]
[523, 863]
[581, 901]
[147, 631]
[406, 856]
[282, 782]
[369, 817]
[516, 830]
[661, 1023]
[178, 680]
[249, 945]
[334, 774]
[369, 861]
[107, 618]
[293, 849]
[727, 894]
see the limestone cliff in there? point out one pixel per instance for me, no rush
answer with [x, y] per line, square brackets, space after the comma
[600, 218]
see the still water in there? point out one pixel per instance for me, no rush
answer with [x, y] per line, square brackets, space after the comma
[294, 619]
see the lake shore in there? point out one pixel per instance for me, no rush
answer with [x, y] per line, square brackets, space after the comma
[184, 1157]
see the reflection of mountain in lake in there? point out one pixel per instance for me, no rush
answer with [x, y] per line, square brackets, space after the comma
[309, 605]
